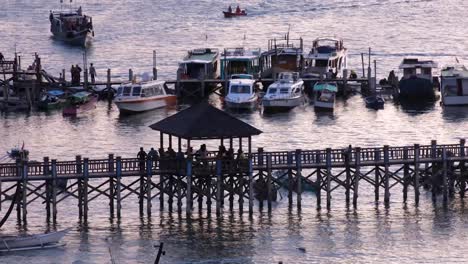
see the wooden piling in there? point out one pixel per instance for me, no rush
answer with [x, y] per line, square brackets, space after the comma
[54, 190]
[118, 176]
[416, 174]
[377, 175]
[251, 188]
[269, 189]
[110, 164]
[219, 182]
[149, 183]
[406, 177]
[434, 170]
[24, 191]
[347, 161]
[329, 176]
[130, 75]
[240, 189]
[80, 181]
[290, 178]
[357, 175]
[319, 182]
[45, 171]
[85, 188]
[109, 86]
[444, 175]
[189, 196]
[299, 177]
[386, 176]
[462, 166]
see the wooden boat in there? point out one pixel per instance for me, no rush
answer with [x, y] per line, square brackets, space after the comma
[37, 241]
[228, 14]
[282, 55]
[375, 102]
[78, 103]
[144, 96]
[241, 93]
[240, 61]
[417, 83]
[72, 27]
[325, 95]
[51, 100]
[454, 86]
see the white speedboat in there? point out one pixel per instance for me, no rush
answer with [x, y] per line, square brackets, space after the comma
[241, 93]
[454, 86]
[328, 56]
[71, 26]
[286, 93]
[325, 95]
[143, 96]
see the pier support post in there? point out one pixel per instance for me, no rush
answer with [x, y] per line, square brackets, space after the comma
[219, 183]
[189, 196]
[25, 190]
[45, 171]
[319, 181]
[377, 175]
[261, 170]
[462, 166]
[109, 86]
[299, 177]
[118, 187]
[386, 176]
[130, 75]
[434, 175]
[149, 185]
[240, 181]
[329, 176]
[54, 191]
[251, 188]
[85, 188]
[347, 160]
[269, 184]
[406, 177]
[110, 165]
[79, 171]
[290, 178]
[416, 174]
[357, 175]
[444, 175]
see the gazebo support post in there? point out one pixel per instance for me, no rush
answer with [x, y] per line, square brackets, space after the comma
[230, 142]
[240, 143]
[170, 141]
[161, 140]
[179, 144]
[188, 197]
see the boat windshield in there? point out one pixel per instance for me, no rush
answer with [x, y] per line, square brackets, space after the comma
[136, 91]
[127, 90]
[272, 90]
[120, 90]
[321, 63]
[240, 89]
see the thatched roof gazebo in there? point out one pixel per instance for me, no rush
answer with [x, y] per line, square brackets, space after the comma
[204, 121]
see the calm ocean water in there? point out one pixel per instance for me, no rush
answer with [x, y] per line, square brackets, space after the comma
[126, 34]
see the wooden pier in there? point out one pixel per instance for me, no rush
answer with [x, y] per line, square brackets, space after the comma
[220, 184]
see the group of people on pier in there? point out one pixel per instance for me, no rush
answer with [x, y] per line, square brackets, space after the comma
[76, 74]
[201, 157]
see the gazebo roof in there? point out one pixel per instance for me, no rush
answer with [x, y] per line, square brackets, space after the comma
[203, 121]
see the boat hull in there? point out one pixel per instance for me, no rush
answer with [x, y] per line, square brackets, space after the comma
[73, 110]
[416, 89]
[83, 38]
[232, 14]
[324, 106]
[241, 105]
[454, 100]
[281, 104]
[142, 105]
[41, 240]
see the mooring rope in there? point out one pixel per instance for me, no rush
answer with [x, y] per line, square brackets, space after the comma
[15, 198]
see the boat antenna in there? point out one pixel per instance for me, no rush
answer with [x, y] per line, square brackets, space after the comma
[71, 5]
[287, 35]
[61, 5]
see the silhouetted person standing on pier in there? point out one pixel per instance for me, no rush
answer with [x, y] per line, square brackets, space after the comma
[1, 57]
[78, 74]
[141, 158]
[73, 74]
[92, 72]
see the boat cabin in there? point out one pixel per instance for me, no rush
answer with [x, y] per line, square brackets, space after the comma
[417, 68]
[328, 55]
[200, 64]
[69, 21]
[149, 89]
[282, 56]
[454, 86]
[240, 60]
[288, 83]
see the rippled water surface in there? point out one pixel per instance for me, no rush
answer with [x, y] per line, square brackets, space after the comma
[126, 34]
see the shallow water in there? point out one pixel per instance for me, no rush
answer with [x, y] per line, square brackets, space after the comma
[126, 34]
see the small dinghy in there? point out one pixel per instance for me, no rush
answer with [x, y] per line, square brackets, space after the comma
[29, 242]
[234, 14]
[375, 102]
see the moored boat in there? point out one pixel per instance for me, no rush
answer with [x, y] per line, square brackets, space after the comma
[228, 14]
[328, 56]
[79, 102]
[325, 95]
[284, 94]
[241, 93]
[375, 102]
[53, 99]
[240, 60]
[37, 241]
[72, 26]
[417, 82]
[454, 86]
[144, 96]
[283, 55]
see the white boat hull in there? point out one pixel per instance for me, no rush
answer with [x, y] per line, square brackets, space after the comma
[320, 105]
[283, 103]
[242, 105]
[142, 105]
[455, 100]
[41, 240]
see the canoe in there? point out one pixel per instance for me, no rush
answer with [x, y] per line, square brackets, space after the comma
[234, 14]
[15, 243]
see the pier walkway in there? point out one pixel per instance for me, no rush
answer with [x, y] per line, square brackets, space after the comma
[183, 181]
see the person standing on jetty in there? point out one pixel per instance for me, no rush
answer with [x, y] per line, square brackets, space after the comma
[141, 158]
[73, 74]
[92, 72]
[78, 74]
[1, 57]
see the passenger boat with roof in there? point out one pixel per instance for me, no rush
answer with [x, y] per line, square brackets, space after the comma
[454, 85]
[143, 96]
[284, 55]
[417, 83]
[199, 64]
[79, 102]
[286, 93]
[241, 93]
[240, 61]
[327, 56]
[72, 26]
[52, 99]
[325, 95]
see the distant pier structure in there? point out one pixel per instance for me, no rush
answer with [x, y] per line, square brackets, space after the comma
[216, 181]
